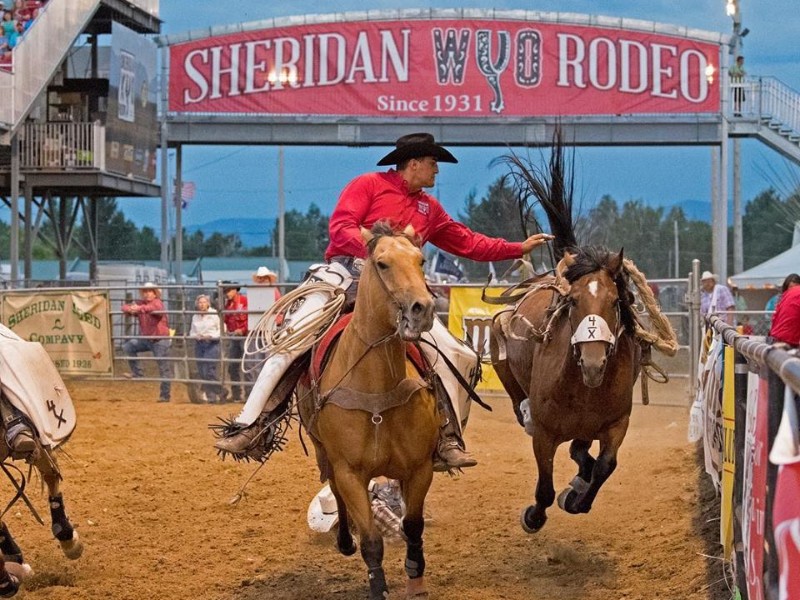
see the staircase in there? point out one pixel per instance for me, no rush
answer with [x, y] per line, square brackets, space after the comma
[42, 49]
[770, 112]
[38, 56]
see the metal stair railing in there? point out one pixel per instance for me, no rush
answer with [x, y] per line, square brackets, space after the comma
[774, 103]
[39, 54]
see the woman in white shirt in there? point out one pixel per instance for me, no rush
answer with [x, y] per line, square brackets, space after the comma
[205, 330]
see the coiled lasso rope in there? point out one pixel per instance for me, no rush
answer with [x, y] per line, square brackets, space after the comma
[663, 339]
[275, 332]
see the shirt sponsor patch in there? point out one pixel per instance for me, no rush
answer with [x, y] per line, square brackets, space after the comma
[423, 207]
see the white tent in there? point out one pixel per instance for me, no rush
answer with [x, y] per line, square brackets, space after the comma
[771, 273]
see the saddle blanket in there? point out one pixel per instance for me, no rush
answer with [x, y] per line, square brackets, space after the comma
[31, 382]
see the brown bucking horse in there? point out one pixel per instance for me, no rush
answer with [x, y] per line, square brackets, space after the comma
[373, 414]
[568, 357]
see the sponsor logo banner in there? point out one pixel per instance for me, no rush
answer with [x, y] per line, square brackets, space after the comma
[443, 68]
[72, 327]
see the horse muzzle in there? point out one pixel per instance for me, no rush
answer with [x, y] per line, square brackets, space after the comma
[415, 319]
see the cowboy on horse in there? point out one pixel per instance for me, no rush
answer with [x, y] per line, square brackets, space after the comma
[397, 195]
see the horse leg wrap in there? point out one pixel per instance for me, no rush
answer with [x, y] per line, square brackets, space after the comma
[8, 547]
[415, 558]
[378, 590]
[62, 528]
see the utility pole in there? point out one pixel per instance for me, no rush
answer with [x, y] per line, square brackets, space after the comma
[281, 219]
[733, 11]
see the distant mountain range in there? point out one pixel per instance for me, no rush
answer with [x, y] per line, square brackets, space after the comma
[252, 232]
[257, 232]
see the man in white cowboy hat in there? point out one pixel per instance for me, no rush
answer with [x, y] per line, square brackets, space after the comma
[153, 335]
[715, 298]
[398, 195]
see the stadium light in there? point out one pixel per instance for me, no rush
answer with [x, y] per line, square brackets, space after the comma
[710, 70]
[731, 8]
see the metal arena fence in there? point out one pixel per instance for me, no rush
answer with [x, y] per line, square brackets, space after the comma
[679, 300]
[750, 404]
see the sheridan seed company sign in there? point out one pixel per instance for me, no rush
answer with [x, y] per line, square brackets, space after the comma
[444, 68]
[73, 327]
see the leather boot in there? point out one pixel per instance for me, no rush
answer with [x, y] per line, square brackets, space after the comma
[450, 451]
[238, 443]
[20, 440]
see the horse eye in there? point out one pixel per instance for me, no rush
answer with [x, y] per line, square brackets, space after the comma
[382, 265]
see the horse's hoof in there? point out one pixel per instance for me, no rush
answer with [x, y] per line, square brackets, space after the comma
[567, 495]
[9, 587]
[347, 551]
[415, 589]
[73, 548]
[20, 571]
[528, 523]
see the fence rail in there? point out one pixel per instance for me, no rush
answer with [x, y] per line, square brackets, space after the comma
[62, 146]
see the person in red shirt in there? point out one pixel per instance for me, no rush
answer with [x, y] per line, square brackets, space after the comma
[236, 328]
[154, 332]
[397, 195]
[786, 321]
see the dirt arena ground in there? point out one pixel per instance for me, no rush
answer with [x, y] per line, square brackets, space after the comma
[151, 502]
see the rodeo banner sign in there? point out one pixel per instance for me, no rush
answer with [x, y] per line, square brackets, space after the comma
[465, 68]
[73, 327]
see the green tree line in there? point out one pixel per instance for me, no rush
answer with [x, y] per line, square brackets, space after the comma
[647, 234]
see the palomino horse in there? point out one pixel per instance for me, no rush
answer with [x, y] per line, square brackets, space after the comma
[12, 564]
[567, 354]
[373, 414]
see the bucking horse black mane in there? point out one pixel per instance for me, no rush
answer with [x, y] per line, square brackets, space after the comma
[553, 190]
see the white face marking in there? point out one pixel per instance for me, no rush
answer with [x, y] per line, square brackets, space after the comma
[593, 288]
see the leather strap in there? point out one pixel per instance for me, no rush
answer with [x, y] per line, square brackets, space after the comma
[374, 403]
[459, 377]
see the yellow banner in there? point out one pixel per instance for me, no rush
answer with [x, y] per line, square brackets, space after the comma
[470, 319]
[728, 454]
[73, 327]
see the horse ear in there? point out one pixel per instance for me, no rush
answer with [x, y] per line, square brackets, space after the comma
[566, 262]
[409, 231]
[366, 235]
[615, 264]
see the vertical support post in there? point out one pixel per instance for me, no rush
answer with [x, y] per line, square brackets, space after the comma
[677, 251]
[178, 214]
[738, 237]
[13, 251]
[28, 234]
[93, 237]
[162, 115]
[693, 303]
[281, 219]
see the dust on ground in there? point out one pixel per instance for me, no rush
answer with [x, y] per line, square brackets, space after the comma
[150, 499]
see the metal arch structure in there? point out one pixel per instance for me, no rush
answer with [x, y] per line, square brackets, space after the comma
[263, 122]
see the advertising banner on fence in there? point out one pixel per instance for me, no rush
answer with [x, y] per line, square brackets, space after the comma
[73, 327]
[755, 484]
[786, 511]
[728, 455]
[465, 68]
[470, 319]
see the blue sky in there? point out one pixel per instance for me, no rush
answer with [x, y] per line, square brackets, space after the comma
[242, 181]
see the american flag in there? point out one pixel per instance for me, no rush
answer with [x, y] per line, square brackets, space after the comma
[188, 189]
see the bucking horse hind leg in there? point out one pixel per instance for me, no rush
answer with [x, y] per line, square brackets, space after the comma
[67, 537]
[581, 492]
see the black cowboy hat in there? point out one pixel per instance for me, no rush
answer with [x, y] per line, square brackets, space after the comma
[229, 285]
[416, 145]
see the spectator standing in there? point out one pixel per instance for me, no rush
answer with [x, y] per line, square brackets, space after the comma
[155, 336]
[737, 74]
[262, 295]
[791, 280]
[786, 321]
[236, 327]
[715, 298]
[205, 330]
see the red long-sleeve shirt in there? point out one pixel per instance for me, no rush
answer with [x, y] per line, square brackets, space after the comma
[375, 196]
[786, 321]
[236, 314]
[152, 318]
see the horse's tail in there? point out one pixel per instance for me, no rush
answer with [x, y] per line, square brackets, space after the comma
[552, 188]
